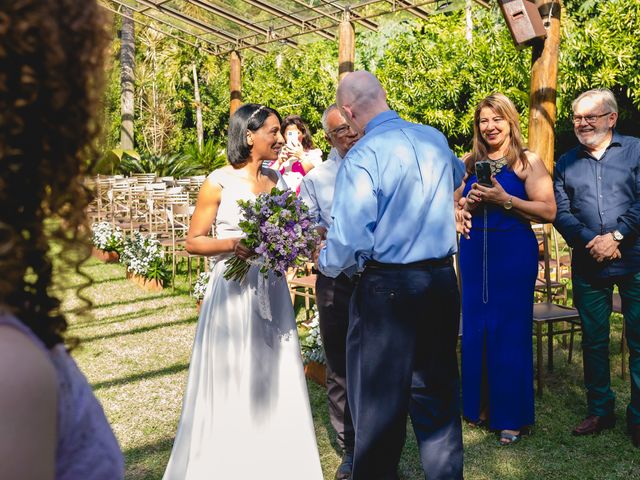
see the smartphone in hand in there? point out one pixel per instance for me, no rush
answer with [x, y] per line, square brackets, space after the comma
[483, 172]
[292, 139]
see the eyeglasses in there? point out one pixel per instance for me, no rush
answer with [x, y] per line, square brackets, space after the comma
[590, 119]
[341, 131]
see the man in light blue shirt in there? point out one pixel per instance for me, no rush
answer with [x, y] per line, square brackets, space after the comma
[394, 221]
[333, 294]
[386, 188]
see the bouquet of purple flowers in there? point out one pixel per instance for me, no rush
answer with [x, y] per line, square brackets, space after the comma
[278, 229]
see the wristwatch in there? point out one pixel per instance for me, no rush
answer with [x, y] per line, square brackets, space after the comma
[508, 205]
[617, 236]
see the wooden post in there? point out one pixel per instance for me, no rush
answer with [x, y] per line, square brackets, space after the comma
[234, 82]
[544, 80]
[346, 47]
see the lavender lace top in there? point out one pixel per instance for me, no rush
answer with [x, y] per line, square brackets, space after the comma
[87, 448]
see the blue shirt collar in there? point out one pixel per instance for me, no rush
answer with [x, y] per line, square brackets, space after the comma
[380, 119]
[616, 139]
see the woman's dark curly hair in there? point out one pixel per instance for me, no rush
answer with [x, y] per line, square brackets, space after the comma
[51, 64]
[307, 142]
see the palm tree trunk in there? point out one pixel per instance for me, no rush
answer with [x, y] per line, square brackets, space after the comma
[156, 135]
[127, 79]
[469, 19]
[196, 93]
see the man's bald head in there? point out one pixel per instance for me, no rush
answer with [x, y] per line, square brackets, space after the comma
[360, 88]
[361, 97]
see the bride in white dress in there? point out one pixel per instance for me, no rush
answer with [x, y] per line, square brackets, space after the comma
[246, 412]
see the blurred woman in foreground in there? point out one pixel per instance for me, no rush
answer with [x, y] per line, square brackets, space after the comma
[51, 64]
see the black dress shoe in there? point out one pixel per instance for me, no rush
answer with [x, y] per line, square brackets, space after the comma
[634, 432]
[594, 424]
[344, 470]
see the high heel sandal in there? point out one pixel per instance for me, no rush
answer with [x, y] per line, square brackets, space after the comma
[507, 438]
[480, 423]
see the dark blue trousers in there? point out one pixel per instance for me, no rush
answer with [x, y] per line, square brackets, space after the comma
[332, 297]
[401, 359]
[593, 299]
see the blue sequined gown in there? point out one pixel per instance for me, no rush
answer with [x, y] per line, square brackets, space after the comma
[498, 267]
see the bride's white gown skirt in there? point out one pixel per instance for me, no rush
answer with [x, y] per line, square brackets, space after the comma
[246, 412]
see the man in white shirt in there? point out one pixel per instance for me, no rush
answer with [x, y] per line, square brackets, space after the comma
[333, 294]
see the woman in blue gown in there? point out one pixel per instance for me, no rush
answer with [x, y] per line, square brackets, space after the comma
[498, 266]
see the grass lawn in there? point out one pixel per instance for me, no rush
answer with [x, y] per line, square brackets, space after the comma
[135, 352]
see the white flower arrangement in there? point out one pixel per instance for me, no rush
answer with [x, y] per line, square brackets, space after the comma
[311, 341]
[200, 287]
[143, 255]
[107, 237]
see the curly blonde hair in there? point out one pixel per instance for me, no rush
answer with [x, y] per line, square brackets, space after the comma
[51, 68]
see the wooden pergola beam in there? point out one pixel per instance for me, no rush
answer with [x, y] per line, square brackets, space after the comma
[289, 24]
[307, 29]
[213, 45]
[280, 13]
[415, 10]
[159, 30]
[228, 15]
[395, 8]
[161, 2]
[195, 23]
[332, 16]
[298, 34]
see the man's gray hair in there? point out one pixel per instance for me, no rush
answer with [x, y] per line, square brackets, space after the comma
[604, 94]
[326, 113]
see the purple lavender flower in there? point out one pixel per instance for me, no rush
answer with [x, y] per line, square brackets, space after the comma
[278, 228]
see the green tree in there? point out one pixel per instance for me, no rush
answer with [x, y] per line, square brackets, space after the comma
[431, 73]
[301, 81]
[435, 78]
[600, 46]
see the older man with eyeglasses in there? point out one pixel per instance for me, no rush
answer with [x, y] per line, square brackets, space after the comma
[597, 189]
[333, 294]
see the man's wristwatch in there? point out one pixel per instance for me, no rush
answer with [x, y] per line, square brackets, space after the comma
[508, 205]
[617, 236]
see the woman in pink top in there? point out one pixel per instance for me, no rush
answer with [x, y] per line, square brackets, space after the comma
[297, 156]
[51, 64]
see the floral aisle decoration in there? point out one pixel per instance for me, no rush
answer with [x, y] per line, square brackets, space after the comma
[310, 339]
[278, 228]
[144, 258]
[312, 349]
[200, 287]
[108, 241]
